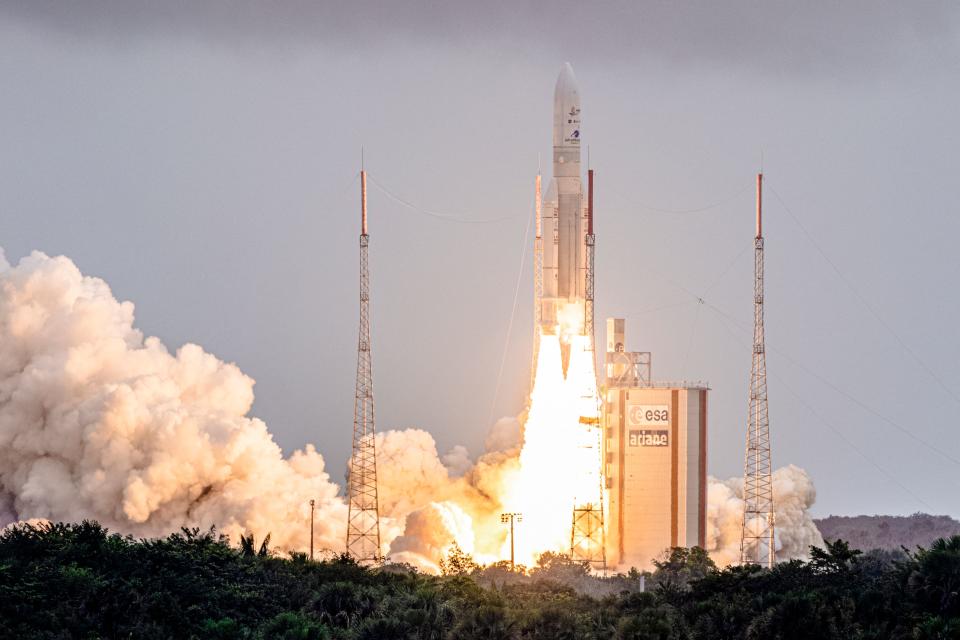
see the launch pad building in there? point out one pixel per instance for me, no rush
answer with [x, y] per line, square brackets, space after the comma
[655, 458]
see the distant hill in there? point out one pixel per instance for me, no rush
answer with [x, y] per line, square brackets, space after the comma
[888, 532]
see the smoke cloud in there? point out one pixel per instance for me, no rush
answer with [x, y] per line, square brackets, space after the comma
[429, 505]
[795, 532]
[98, 421]
[428, 535]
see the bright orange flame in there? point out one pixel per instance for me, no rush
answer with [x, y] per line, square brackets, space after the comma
[560, 458]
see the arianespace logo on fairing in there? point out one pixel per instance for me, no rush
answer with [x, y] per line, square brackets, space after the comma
[574, 121]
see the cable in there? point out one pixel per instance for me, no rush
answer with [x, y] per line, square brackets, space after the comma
[658, 308]
[836, 431]
[848, 396]
[727, 269]
[433, 214]
[823, 380]
[513, 312]
[720, 203]
[693, 331]
[866, 304]
[835, 388]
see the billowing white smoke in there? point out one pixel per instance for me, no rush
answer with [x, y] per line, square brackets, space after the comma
[505, 434]
[98, 422]
[795, 532]
[428, 505]
[429, 533]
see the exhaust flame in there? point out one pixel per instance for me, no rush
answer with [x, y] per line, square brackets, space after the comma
[560, 458]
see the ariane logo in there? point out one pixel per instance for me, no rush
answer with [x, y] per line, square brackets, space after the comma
[649, 438]
[575, 134]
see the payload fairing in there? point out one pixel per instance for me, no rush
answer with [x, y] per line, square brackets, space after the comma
[563, 219]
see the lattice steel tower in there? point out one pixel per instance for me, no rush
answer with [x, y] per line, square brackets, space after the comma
[588, 532]
[757, 539]
[363, 519]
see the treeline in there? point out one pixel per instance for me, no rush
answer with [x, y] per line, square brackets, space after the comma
[888, 532]
[80, 581]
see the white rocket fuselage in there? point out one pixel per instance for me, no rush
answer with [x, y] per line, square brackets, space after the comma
[564, 217]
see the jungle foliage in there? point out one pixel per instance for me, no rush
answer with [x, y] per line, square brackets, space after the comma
[80, 581]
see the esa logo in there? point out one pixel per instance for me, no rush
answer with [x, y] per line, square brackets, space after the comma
[646, 414]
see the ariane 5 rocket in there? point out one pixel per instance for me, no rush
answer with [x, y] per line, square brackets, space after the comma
[564, 220]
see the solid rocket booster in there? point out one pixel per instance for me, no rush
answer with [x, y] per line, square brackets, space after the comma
[563, 217]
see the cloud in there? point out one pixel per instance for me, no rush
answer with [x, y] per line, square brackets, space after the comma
[776, 36]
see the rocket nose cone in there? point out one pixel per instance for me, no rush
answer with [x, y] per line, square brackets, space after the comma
[566, 120]
[566, 81]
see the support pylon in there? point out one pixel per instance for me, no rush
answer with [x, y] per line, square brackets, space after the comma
[588, 532]
[757, 544]
[363, 515]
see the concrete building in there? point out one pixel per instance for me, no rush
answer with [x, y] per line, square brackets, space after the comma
[655, 458]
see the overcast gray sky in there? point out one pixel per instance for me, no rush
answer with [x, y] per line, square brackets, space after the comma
[201, 157]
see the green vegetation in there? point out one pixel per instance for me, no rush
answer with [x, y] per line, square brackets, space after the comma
[79, 581]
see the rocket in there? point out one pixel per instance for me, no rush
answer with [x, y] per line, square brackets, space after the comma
[564, 219]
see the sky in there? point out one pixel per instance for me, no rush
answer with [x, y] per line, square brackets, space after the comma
[202, 158]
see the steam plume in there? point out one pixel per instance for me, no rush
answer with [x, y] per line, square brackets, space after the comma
[793, 494]
[98, 422]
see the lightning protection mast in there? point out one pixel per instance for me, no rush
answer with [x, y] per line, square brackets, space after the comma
[757, 540]
[363, 515]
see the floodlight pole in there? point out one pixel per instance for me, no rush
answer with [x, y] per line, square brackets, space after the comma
[312, 503]
[511, 517]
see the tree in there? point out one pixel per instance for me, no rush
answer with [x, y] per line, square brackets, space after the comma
[248, 546]
[935, 579]
[678, 568]
[292, 626]
[560, 567]
[343, 604]
[836, 558]
[486, 622]
[656, 623]
[458, 562]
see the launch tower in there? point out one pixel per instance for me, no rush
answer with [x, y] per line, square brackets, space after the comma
[757, 540]
[588, 533]
[363, 519]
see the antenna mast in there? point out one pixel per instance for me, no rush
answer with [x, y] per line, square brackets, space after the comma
[363, 515]
[757, 540]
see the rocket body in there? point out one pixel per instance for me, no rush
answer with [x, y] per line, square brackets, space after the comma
[564, 218]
